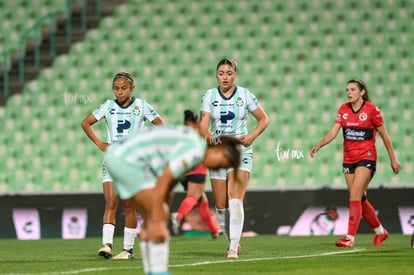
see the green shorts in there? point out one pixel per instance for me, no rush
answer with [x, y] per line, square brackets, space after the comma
[245, 165]
[128, 179]
[105, 175]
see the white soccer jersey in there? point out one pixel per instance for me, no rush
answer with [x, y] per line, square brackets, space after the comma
[122, 121]
[229, 115]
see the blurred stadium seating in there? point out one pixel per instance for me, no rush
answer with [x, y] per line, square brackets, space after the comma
[296, 56]
[20, 15]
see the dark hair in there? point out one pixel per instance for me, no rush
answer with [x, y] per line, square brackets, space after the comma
[226, 61]
[124, 75]
[190, 116]
[232, 149]
[361, 86]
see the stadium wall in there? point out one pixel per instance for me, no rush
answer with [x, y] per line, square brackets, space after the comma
[267, 211]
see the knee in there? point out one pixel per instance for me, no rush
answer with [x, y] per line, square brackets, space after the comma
[111, 204]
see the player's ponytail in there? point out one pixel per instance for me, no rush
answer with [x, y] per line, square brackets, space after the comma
[190, 116]
[232, 149]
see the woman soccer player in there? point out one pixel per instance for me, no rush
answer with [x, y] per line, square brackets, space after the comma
[124, 115]
[194, 183]
[360, 120]
[226, 108]
[147, 166]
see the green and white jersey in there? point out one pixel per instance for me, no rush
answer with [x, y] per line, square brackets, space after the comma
[122, 121]
[179, 147]
[229, 115]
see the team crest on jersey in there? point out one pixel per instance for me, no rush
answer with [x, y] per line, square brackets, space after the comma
[185, 164]
[239, 101]
[137, 111]
[363, 117]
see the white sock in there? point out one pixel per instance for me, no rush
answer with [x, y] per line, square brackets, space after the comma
[223, 218]
[154, 256]
[129, 237]
[352, 238]
[108, 233]
[379, 229]
[236, 222]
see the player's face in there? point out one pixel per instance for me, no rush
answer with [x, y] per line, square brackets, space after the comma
[226, 77]
[214, 158]
[122, 90]
[353, 92]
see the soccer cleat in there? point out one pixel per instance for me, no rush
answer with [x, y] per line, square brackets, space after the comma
[105, 251]
[379, 238]
[175, 223]
[124, 255]
[345, 242]
[231, 254]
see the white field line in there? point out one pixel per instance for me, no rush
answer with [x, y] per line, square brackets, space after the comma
[103, 269]
[271, 258]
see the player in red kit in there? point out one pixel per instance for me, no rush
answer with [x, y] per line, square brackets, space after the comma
[360, 121]
[194, 183]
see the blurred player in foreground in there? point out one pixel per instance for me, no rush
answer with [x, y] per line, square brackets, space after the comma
[146, 167]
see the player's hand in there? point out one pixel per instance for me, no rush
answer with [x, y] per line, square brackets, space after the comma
[247, 140]
[102, 145]
[396, 166]
[314, 150]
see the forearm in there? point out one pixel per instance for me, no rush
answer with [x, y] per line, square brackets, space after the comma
[389, 147]
[260, 127]
[90, 133]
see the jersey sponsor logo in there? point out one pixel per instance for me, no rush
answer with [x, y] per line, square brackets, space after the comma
[363, 117]
[226, 116]
[345, 116]
[119, 112]
[216, 103]
[123, 125]
[358, 134]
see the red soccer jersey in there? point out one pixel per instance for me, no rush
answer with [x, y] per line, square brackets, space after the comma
[199, 169]
[359, 131]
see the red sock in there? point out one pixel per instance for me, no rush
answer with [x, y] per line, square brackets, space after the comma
[368, 212]
[205, 214]
[355, 213]
[186, 205]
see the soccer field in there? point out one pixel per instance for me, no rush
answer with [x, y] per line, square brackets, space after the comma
[201, 255]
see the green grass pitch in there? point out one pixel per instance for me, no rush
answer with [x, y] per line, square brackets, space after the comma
[263, 254]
